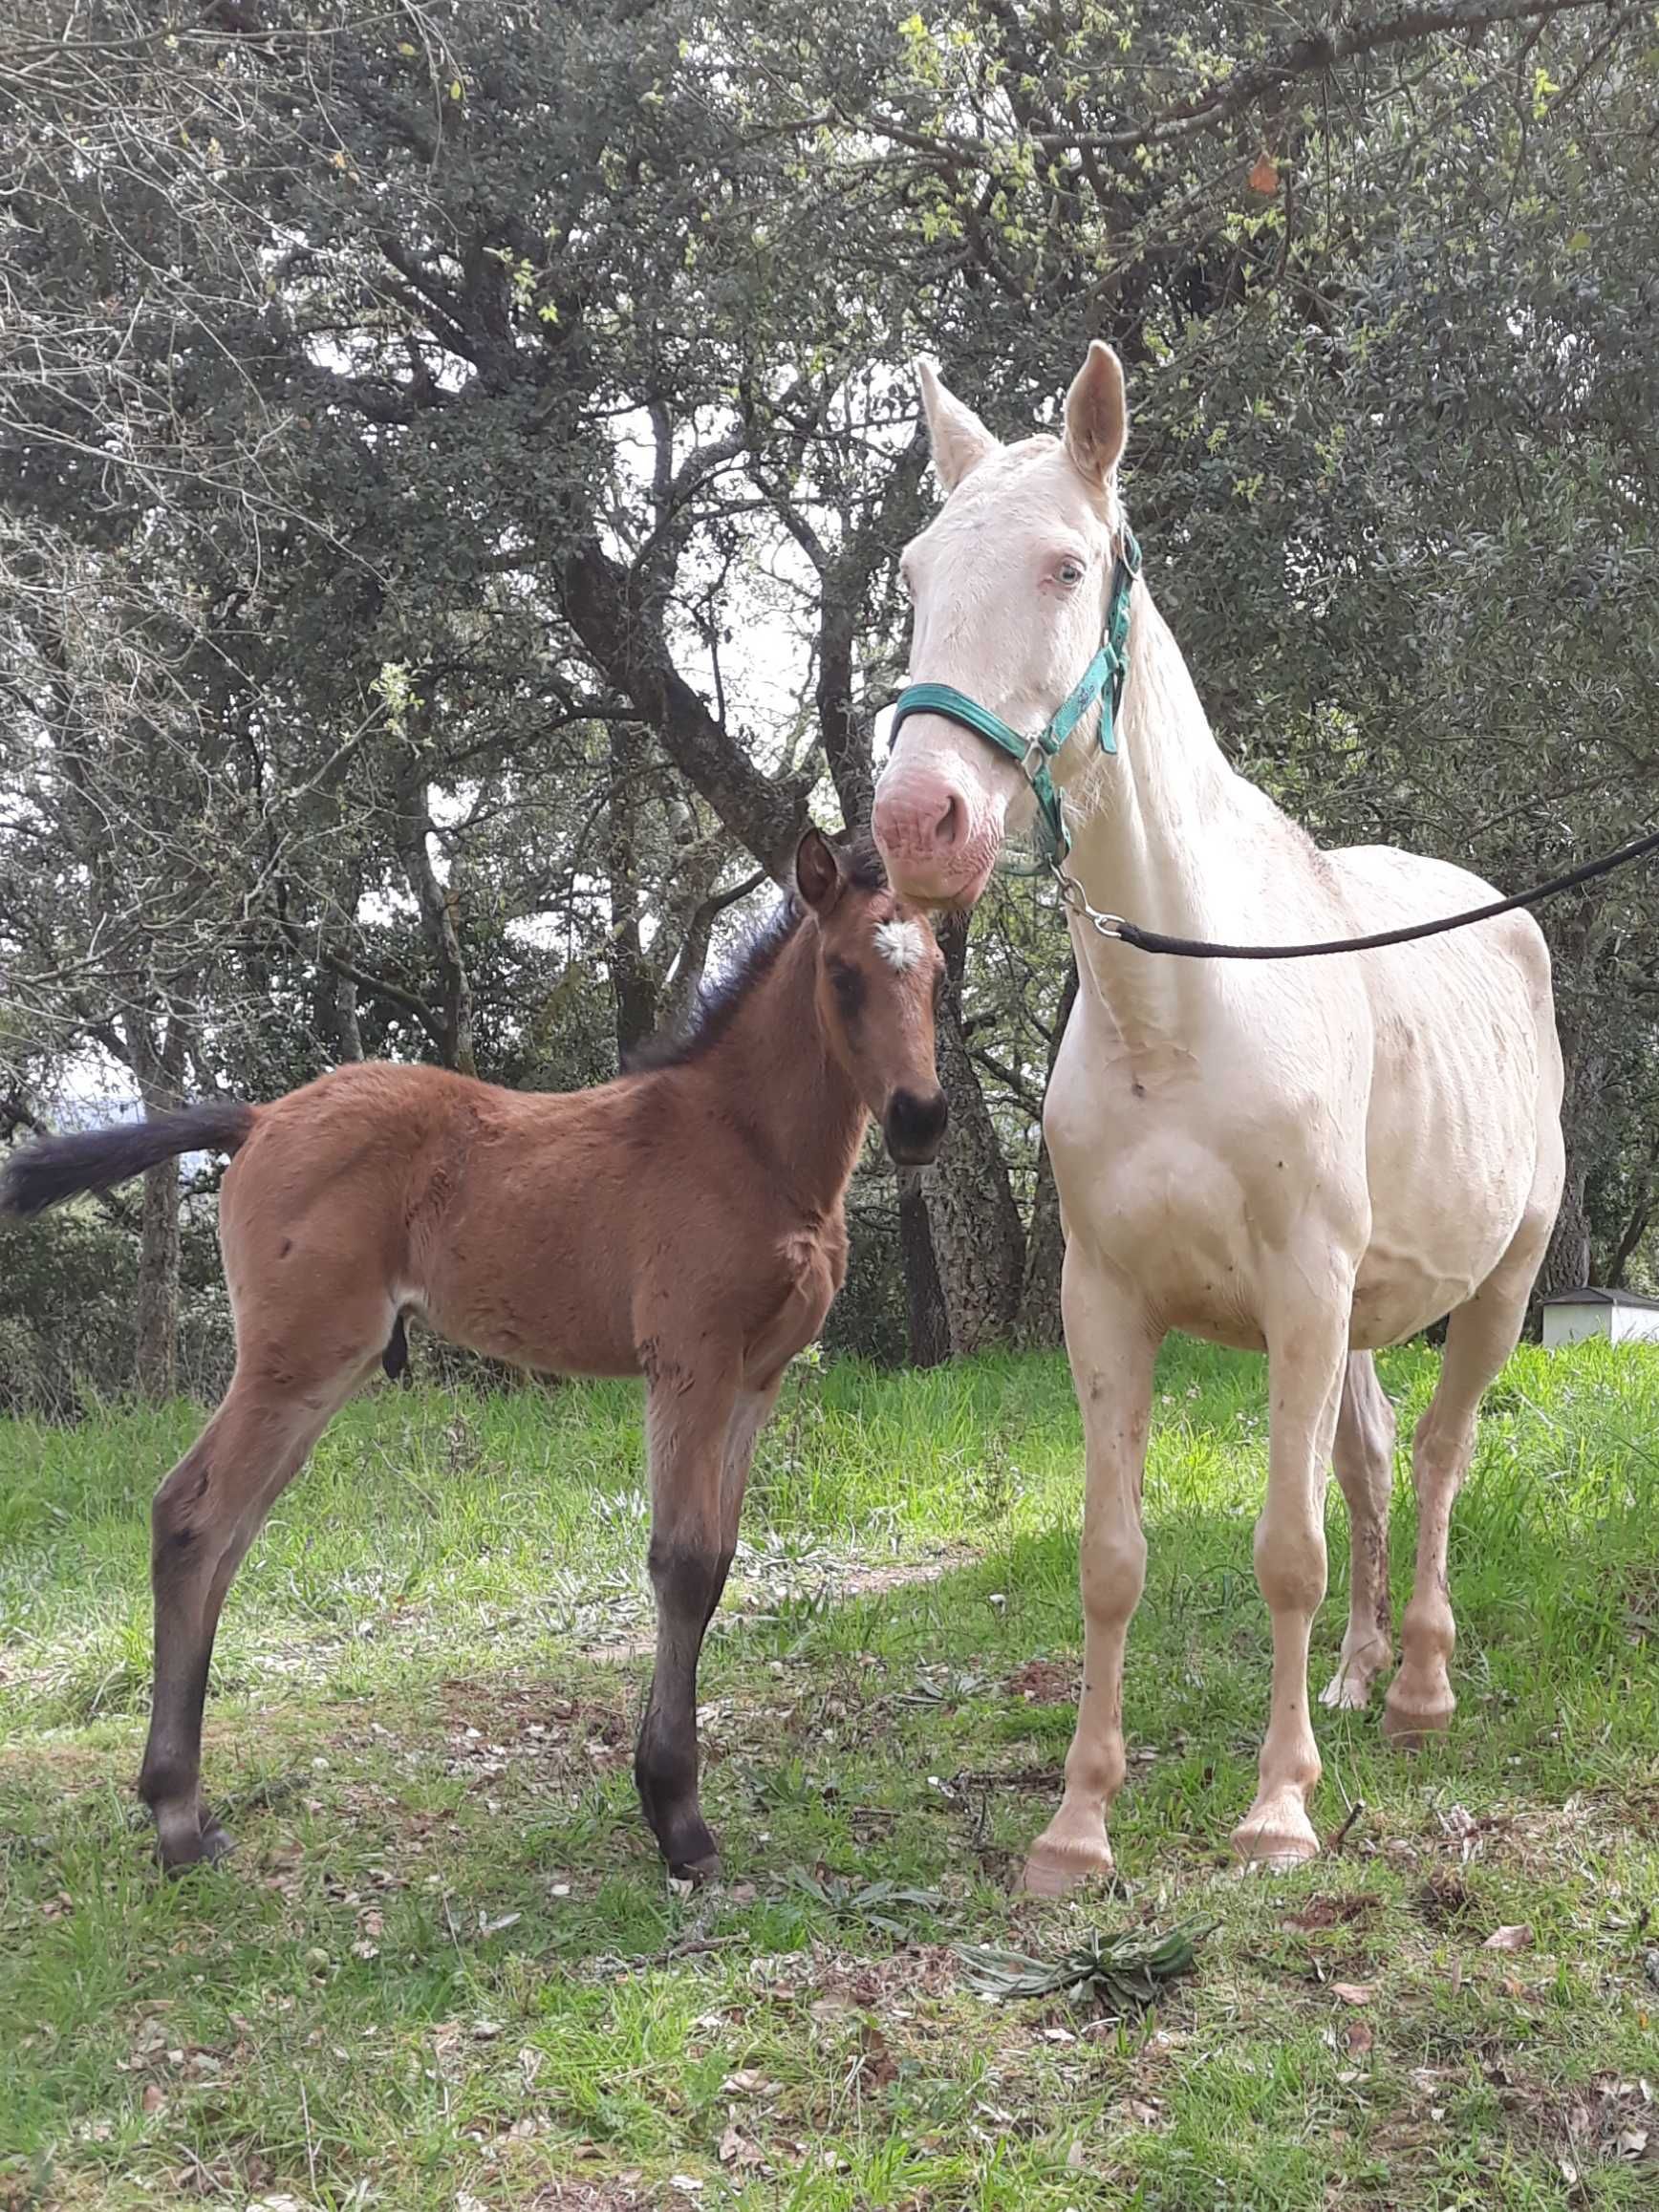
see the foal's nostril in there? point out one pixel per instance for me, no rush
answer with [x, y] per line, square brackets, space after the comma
[915, 1126]
[951, 827]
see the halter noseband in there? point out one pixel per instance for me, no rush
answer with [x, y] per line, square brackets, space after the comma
[1102, 683]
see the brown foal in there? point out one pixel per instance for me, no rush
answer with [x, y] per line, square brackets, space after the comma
[684, 1222]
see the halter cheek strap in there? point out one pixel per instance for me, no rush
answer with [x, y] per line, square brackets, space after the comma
[1101, 683]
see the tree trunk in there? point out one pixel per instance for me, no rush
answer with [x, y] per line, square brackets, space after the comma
[334, 994]
[1636, 1225]
[157, 1362]
[979, 1244]
[348, 1032]
[1566, 1263]
[924, 1299]
[439, 907]
[1040, 1317]
[1040, 1320]
[157, 1073]
[633, 983]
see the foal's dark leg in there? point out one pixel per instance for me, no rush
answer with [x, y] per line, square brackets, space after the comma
[205, 1516]
[686, 1424]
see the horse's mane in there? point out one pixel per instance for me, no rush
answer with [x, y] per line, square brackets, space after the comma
[754, 956]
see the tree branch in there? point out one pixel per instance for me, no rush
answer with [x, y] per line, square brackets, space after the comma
[626, 641]
[1315, 51]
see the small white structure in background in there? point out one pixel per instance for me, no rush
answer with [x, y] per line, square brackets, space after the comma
[1617, 1314]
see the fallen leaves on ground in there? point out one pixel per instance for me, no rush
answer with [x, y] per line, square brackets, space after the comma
[1511, 1939]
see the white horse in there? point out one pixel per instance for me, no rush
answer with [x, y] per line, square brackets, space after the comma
[1311, 1158]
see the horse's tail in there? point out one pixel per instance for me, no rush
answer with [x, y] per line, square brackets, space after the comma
[64, 1166]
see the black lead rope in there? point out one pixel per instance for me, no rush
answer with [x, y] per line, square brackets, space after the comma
[1197, 949]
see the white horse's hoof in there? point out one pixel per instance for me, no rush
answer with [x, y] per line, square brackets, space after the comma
[1349, 1690]
[1279, 1837]
[1410, 1729]
[1057, 1868]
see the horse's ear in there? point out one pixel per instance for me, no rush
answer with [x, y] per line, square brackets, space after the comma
[958, 438]
[1097, 415]
[817, 871]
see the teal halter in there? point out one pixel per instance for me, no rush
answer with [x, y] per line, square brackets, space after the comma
[1102, 683]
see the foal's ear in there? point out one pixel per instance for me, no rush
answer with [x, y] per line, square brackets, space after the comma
[958, 438]
[1097, 415]
[817, 871]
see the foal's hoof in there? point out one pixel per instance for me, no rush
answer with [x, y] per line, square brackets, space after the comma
[689, 1848]
[217, 1841]
[701, 1873]
[191, 1841]
[1056, 1866]
[1278, 1837]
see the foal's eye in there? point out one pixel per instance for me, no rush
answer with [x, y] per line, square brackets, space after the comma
[848, 985]
[1070, 571]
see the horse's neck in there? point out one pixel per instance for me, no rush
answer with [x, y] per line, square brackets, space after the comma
[1159, 839]
[781, 1082]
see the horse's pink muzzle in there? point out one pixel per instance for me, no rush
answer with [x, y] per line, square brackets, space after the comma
[938, 829]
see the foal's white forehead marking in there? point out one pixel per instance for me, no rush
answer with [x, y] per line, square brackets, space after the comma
[901, 945]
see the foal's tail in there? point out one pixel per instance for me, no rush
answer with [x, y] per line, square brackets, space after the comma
[64, 1166]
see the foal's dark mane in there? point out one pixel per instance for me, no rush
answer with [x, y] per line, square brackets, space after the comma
[754, 957]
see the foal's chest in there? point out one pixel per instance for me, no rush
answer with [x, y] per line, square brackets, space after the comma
[812, 1265]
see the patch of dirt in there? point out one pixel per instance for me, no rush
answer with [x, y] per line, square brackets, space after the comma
[1333, 1912]
[875, 1581]
[1642, 1604]
[493, 1725]
[1445, 1899]
[593, 2197]
[1044, 1682]
[1610, 2120]
[1041, 1780]
[835, 1985]
[919, 1971]
[71, 1766]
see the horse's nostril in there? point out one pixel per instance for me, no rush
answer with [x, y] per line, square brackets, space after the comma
[915, 1126]
[952, 824]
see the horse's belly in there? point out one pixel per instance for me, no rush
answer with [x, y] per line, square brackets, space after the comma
[1426, 1258]
[1196, 1231]
[532, 1277]
[1452, 1154]
[1394, 1297]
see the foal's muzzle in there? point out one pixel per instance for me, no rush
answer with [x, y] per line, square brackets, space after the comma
[914, 1127]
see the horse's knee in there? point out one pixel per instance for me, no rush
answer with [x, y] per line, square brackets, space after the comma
[179, 1516]
[1114, 1574]
[1291, 1562]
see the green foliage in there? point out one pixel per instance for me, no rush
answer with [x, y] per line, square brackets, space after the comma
[464, 538]
[1121, 1975]
[68, 1312]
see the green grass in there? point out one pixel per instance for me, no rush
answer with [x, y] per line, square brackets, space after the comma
[445, 1966]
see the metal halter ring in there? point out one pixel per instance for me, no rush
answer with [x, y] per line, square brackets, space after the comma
[1075, 899]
